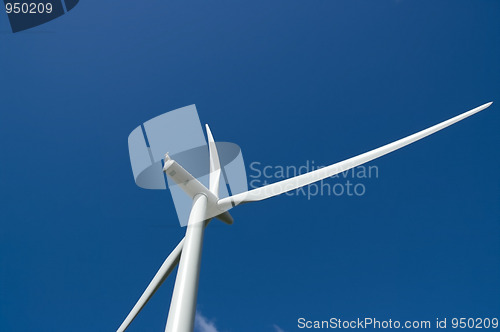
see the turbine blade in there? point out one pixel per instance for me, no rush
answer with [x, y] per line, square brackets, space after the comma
[293, 183]
[162, 274]
[214, 164]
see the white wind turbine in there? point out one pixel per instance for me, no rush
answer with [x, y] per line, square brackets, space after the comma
[207, 204]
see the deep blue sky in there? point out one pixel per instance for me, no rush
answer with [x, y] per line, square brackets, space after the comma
[288, 81]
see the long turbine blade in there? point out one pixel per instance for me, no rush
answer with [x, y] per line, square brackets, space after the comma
[214, 163]
[284, 186]
[162, 274]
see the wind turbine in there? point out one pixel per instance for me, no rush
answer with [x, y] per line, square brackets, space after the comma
[206, 205]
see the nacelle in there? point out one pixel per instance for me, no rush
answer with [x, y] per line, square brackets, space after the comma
[192, 187]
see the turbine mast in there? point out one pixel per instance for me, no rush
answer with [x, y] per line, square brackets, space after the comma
[183, 305]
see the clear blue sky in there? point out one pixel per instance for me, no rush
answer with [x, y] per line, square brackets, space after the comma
[288, 81]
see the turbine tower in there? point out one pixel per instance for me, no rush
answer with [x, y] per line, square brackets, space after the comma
[206, 205]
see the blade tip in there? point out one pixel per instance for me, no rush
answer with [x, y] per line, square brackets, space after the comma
[209, 133]
[486, 105]
[482, 107]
